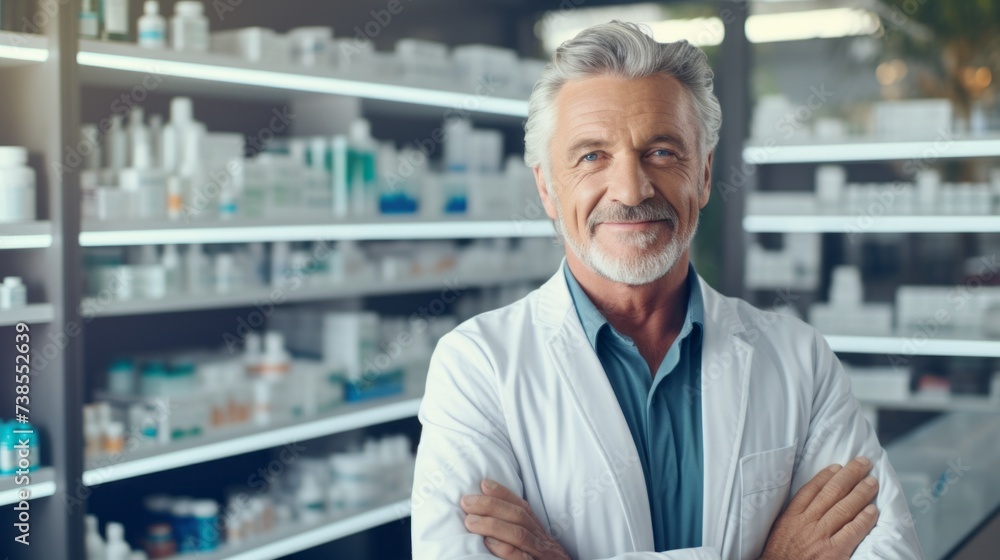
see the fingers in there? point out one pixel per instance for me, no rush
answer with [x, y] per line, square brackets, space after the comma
[488, 506]
[851, 535]
[515, 535]
[808, 492]
[494, 489]
[842, 483]
[847, 509]
[505, 551]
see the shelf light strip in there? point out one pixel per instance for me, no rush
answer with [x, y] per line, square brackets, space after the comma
[870, 224]
[874, 151]
[30, 54]
[915, 347]
[28, 241]
[327, 533]
[302, 82]
[359, 232]
[40, 490]
[253, 442]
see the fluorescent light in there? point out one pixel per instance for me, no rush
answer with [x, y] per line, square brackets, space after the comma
[777, 223]
[304, 82]
[30, 54]
[373, 414]
[361, 232]
[905, 346]
[812, 24]
[874, 150]
[701, 32]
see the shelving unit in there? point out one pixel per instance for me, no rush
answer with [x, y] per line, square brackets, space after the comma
[296, 538]
[42, 484]
[30, 235]
[318, 291]
[244, 439]
[105, 234]
[901, 344]
[116, 65]
[49, 74]
[33, 313]
[827, 223]
[943, 146]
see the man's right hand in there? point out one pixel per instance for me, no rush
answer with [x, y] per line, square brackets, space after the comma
[828, 517]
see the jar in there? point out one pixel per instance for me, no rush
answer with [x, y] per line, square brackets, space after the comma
[205, 524]
[189, 27]
[17, 185]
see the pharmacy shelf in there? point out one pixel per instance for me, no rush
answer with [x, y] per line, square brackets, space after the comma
[33, 313]
[245, 439]
[917, 345]
[111, 234]
[868, 149]
[784, 223]
[951, 403]
[41, 483]
[246, 297]
[123, 65]
[26, 235]
[18, 49]
[295, 537]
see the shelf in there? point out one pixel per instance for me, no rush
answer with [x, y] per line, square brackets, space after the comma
[779, 223]
[33, 313]
[26, 235]
[245, 297]
[115, 65]
[112, 234]
[247, 438]
[294, 538]
[868, 149]
[42, 484]
[917, 345]
[18, 49]
[953, 403]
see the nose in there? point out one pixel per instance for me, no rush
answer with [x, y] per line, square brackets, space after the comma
[629, 183]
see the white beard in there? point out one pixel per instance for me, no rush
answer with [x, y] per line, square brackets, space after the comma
[632, 271]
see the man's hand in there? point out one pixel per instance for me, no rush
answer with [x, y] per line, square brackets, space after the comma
[828, 517]
[510, 528]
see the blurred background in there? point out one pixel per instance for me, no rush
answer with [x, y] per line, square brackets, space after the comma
[231, 233]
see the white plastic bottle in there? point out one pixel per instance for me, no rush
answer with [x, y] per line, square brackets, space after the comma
[196, 267]
[152, 26]
[90, 24]
[117, 548]
[13, 293]
[17, 185]
[189, 27]
[93, 542]
[148, 185]
[363, 185]
[115, 20]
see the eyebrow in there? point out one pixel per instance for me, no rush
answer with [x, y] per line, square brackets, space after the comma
[591, 143]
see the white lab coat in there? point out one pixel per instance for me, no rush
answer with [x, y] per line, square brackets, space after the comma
[519, 396]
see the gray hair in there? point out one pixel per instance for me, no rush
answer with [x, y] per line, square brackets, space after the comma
[625, 50]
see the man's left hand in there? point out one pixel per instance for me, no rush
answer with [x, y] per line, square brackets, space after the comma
[510, 528]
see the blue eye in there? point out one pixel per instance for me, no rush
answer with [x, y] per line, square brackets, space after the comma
[662, 152]
[590, 157]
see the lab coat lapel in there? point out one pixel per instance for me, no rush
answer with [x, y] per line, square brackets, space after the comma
[587, 386]
[725, 375]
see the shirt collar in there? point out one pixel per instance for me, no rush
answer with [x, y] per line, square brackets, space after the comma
[593, 320]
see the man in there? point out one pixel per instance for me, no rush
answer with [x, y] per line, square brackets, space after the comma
[626, 409]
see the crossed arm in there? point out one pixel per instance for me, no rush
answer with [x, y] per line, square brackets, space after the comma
[826, 519]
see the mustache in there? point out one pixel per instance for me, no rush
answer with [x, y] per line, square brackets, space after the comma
[646, 211]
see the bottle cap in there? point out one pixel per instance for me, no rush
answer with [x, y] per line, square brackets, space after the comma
[116, 531]
[13, 156]
[151, 7]
[205, 508]
[189, 8]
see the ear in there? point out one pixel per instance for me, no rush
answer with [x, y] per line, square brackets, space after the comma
[706, 187]
[543, 192]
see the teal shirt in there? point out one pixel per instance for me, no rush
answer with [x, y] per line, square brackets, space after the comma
[663, 413]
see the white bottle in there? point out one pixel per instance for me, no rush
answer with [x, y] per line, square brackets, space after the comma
[189, 27]
[275, 363]
[90, 25]
[13, 293]
[115, 20]
[148, 185]
[117, 548]
[363, 181]
[152, 26]
[17, 185]
[116, 146]
[309, 500]
[171, 262]
[196, 266]
[93, 542]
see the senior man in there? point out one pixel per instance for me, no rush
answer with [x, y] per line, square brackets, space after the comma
[626, 409]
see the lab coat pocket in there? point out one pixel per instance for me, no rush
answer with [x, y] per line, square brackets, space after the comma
[765, 479]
